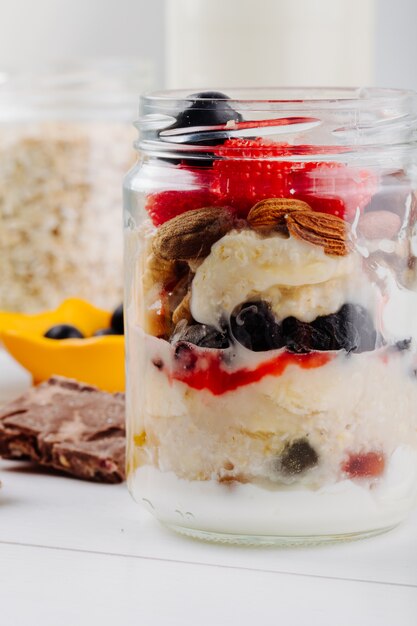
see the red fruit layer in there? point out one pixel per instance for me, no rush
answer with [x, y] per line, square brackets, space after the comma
[165, 205]
[208, 372]
[247, 176]
[248, 173]
[364, 465]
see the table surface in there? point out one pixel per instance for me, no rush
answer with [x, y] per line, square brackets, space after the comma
[73, 552]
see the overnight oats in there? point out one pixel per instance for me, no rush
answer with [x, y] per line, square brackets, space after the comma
[271, 308]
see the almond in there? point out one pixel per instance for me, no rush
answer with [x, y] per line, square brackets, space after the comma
[158, 271]
[379, 225]
[182, 311]
[328, 231]
[271, 213]
[191, 234]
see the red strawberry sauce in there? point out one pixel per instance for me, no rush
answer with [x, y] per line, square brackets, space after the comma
[209, 373]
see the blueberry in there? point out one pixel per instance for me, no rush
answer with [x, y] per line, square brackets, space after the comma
[105, 331]
[210, 108]
[335, 332]
[63, 331]
[354, 330]
[403, 344]
[200, 335]
[298, 457]
[117, 322]
[350, 329]
[299, 336]
[253, 325]
[303, 337]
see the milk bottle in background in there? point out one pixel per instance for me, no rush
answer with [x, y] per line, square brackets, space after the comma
[285, 42]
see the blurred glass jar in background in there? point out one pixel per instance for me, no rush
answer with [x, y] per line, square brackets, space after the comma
[65, 142]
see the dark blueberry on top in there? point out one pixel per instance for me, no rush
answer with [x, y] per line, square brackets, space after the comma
[298, 457]
[201, 335]
[253, 325]
[63, 331]
[209, 109]
[117, 322]
[105, 331]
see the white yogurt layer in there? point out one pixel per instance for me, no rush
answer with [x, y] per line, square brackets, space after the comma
[297, 278]
[343, 507]
[357, 403]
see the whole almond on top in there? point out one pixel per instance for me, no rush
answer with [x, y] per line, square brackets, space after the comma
[379, 225]
[328, 231]
[191, 234]
[272, 212]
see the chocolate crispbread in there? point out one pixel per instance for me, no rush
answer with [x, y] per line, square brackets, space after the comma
[69, 426]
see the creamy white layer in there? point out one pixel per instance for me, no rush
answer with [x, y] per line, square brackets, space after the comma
[296, 277]
[343, 507]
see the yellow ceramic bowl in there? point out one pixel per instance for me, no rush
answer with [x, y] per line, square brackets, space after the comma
[96, 360]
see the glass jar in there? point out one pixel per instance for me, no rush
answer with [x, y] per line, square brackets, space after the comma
[271, 306]
[65, 142]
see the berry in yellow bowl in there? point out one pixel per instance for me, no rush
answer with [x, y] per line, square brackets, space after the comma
[76, 340]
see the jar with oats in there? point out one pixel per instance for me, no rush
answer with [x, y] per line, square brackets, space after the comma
[271, 308]
[65, 142]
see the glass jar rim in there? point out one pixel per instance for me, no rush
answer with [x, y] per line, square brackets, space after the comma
[347, 117]
[275, 98]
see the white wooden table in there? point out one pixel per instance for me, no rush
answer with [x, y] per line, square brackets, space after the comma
[76, 553]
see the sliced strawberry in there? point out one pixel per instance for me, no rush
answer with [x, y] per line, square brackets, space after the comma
[253, 149]
[364, 465]
[165, 205]
[248, 173]
[332, 206]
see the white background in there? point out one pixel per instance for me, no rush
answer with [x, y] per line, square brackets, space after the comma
[46, 30]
